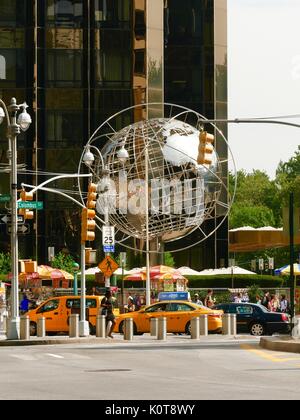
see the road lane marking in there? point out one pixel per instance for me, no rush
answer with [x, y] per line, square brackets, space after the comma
[56, 356]
[278, 359]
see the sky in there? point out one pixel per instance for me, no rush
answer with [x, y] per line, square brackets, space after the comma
[264, 80]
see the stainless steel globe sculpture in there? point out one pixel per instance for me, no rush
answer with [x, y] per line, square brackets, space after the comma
[182, 193]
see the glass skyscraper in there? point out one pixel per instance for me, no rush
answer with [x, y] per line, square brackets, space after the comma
[77, 62]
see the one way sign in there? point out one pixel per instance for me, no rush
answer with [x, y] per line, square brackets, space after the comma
[7, 218]
[24, 229]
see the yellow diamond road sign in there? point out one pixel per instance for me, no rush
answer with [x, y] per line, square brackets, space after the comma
[108, 266]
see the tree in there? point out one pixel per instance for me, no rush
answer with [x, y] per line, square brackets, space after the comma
[288, 179]
[256, 202]
[5, 263]
[63, 262]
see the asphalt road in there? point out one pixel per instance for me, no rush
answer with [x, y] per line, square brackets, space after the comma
[212, 369]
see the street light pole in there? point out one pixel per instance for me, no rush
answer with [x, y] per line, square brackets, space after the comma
[14, 129]
[148, 297]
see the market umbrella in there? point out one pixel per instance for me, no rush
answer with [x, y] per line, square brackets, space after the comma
[187, 271]
[159, 270]
[168, 276]
[225, 270]
[286, 270]
[47, 272]
[136, 277]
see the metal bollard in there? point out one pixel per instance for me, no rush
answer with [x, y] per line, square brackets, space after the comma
[153, 327]
[203, 325]
[4, 323]
[162, 328]
[233, 325]
[74, 326]
[24, 328]
[101, 326]
[226, 324]
[195, 328]
[128, 326]
[41, 327]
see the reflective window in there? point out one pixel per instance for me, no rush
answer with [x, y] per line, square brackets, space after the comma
[64, 99]
[180, 307]
[63, 129]
[64, 38]
[112, 13]
[113, 68]
[12, 12]
[244, 310]
[11, 38]
[64, 68]
[160, 307]
[12, 67]
[49, 306]
[68, 13]
[75, 303]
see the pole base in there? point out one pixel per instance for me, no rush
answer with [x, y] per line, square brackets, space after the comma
[84, 329]
[13, 329]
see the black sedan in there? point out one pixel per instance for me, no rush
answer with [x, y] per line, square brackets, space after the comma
[256, 319]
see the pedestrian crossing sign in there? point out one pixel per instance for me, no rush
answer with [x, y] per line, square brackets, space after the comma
[108, 266]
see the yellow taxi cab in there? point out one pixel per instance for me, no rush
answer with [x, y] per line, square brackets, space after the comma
[57, 311]
[178, 313]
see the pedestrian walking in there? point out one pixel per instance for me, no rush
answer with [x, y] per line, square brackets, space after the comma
[130, 307]
[197, 300]
[107, 310]
[266, 299]
[274, 304]
[209, 301]
[284, 304]
[24, 305]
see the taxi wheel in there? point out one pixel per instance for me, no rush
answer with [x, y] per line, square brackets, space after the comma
[33, 329]
[188, 328]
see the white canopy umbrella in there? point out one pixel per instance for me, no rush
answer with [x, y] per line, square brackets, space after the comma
[228, 270]
[187, 271]
[94, 270]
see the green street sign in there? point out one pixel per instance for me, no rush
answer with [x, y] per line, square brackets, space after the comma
[31, 205]
[4, 198]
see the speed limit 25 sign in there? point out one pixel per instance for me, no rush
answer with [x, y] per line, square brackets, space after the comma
[108, 238]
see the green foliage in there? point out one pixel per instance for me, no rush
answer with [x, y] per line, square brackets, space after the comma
[257, 201]
[3, 278]
[239, 281]
[254, 291]
[169, 259]
[288, 179]
[63, 262]
[5, 263]
[224, 297]
[255, 216]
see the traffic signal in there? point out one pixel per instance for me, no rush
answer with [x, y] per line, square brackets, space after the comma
[27, 214]
[206, 148]
[92, 196]
[88, 224]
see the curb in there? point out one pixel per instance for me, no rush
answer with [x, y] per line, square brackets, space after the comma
[286, 344]
[19, 343]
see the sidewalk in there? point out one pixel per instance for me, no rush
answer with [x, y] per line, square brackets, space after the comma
[285, 344]
[118, 340]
